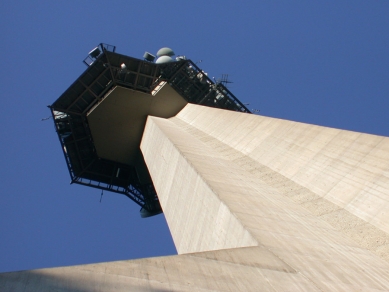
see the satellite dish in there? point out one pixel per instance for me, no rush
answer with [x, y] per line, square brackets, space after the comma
[164, 59]
[165, 52]
[148, 57]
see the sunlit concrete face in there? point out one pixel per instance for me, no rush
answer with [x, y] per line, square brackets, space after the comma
[314, 197]
[118, 121]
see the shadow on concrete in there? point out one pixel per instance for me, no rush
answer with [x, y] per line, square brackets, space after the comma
[60, 280]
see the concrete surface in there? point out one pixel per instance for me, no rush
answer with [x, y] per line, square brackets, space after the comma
[340, 176]
[118, 120]
[253, 204]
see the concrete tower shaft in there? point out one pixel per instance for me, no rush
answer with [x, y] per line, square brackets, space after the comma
[253, 203]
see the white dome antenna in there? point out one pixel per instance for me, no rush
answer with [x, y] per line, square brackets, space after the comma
[164, 59]
[165, 52]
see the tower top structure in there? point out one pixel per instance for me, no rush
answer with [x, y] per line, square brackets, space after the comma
[100, 118]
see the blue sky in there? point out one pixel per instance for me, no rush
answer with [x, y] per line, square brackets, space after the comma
[319, 62]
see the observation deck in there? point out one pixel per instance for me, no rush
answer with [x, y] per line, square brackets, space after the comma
[100, 118]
